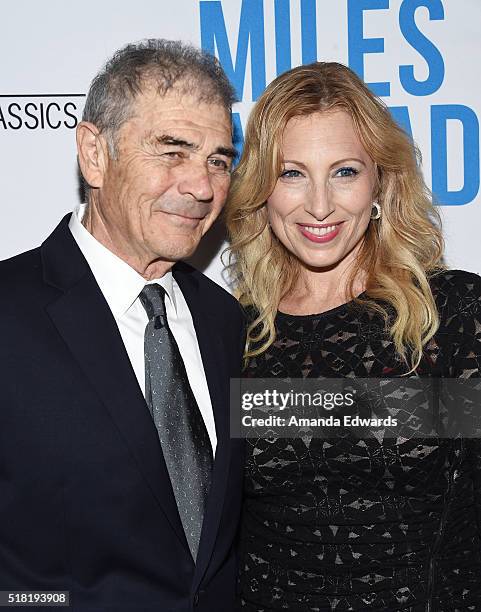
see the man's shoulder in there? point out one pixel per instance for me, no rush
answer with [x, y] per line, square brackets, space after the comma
[21, 285]
[213, 298]
[209, 289]
[20, 268]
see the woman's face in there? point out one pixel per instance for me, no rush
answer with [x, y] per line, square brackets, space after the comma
[321, 204]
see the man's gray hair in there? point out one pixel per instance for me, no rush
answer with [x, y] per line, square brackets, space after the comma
[152, 62]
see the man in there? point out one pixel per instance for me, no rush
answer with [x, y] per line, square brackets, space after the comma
[118, 479]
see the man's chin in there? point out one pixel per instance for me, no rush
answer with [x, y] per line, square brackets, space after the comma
[178, 253]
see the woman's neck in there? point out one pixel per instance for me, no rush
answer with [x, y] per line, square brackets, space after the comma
[320, 290]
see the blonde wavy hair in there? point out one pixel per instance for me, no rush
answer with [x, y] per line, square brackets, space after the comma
[400, 251]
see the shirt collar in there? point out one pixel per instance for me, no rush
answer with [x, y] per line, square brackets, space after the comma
[119, 282]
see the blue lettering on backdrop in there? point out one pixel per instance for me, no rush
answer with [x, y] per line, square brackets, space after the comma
[251, 29]
[238, 135]
[358, 46]
[308, 31]
[440, 115]
[401, 117]
[251, 33]
[425, 47]
[283, 35]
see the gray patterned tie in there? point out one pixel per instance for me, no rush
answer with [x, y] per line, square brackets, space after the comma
[181, 428]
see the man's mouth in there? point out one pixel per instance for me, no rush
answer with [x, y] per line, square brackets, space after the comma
[183, 219]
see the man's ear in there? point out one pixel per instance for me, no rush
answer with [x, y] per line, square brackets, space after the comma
[92, 153]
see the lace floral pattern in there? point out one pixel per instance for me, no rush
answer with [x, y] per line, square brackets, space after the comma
[349, 524]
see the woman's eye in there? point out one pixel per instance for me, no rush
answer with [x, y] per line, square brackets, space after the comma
[290, 174]
[346, 172]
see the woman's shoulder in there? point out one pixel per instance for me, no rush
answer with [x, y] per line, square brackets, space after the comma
[456, 292]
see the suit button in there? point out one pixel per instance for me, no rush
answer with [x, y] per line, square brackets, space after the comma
[196, 599]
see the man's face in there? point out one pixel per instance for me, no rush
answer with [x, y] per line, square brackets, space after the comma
[169, 181]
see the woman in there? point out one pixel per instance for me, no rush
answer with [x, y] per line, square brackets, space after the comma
[338, 254]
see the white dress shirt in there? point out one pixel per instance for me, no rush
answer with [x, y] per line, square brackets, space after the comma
[121, 285]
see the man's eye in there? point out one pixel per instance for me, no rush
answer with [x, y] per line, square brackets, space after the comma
[218, 165]
[346, 172]
[173, 154]
[290, 174]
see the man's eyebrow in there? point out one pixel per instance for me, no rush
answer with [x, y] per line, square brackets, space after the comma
[227, 151]
[166, 139]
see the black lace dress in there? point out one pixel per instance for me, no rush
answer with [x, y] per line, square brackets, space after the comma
[334, 525]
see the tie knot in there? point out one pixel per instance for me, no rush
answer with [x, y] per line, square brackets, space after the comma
[153, 300]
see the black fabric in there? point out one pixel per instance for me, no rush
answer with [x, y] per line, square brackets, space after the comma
[339, 524]
[86, 503]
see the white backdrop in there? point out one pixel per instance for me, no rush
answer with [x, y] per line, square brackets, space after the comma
[50, 51]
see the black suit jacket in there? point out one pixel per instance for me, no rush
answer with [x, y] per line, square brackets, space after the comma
[86, 503]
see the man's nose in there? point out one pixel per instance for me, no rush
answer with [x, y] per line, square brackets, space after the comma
[319, 203]
[197, 182]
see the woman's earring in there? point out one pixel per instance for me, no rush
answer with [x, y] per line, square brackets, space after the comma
[378, 210]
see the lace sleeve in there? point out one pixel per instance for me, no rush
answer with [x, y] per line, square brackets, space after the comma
[463, 306]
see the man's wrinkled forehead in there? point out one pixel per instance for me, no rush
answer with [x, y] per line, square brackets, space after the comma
[184, 91]
[179, 116]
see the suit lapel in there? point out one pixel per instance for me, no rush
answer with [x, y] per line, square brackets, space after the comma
[213, 359]
[85, 322]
